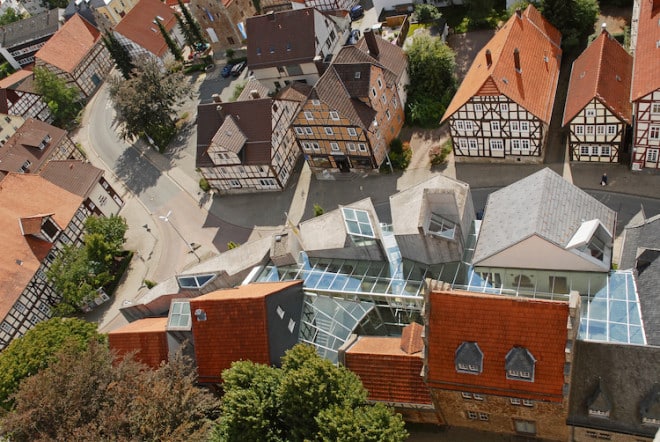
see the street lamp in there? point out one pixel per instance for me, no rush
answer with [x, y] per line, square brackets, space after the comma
[166, 219]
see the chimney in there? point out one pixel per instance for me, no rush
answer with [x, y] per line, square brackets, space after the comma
[489, 58]
[519, 13]
[516, 60]
[603, 27]
[219, 109]
[216, 98]
[270, 15]
[372, 44]
[254, 94]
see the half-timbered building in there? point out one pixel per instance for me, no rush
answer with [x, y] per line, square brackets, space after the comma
[356, 108]
[645, 94]
[248, 145]
[502, 108]
[598, 112]
[18, 96]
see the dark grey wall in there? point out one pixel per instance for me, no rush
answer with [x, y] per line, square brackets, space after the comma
[280, 339]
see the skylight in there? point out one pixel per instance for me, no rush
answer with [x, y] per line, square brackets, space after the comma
[358, 222]
[179, 316]
[440, 226]
[195, 281]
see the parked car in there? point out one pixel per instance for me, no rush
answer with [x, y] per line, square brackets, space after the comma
[356, 12]
[226, 71]
[236, 70]
[353, 37]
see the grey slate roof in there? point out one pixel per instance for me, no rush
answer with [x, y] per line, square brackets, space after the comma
[29, 29]
[646, 234]
[542, 204]
[628, 373]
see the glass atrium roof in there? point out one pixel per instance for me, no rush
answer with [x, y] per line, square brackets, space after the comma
[179, 316]
[358, 222]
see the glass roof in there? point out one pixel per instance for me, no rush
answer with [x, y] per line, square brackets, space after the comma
[179, 316]
[195, 281]
[358, 222]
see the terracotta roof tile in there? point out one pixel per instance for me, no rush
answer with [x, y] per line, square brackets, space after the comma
[647, 51]
[602, 71]
[26, 195]
[411, 338]
[75, 176]
[496, 324]
[66, 49]
[388, 373]
[535, 87]
[16, 77]
[139, 27]
[148, 337]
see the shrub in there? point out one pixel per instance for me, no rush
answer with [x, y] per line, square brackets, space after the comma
[229, 53]
[204, 184]
[400, 155]
[149, 283]
[439, 154]
[318, 210]
[232, 245]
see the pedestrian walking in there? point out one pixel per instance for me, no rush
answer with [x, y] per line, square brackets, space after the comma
[603, 180]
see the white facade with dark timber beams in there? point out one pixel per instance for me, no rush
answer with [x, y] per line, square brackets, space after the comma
[646, 141]
[596, 134]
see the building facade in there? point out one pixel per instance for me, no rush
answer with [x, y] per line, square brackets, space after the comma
[109, 13]
[645, 94]
[19, 41]
[224, 22]
[76, 54]
[503, 107]
[18, 97]
[598, 111]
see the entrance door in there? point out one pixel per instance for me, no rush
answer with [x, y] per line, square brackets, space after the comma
[343, 164]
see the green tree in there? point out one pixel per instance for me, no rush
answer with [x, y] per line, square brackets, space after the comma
[185, 30]
[193, 26]
[119, 54]
[146, 103]
[174, 48]
[89, 396]
[426, 13]
[63, 100]
[52, 4]
[431, 67]
[32, 352]
[478, 11]
[309, 398]
[574, 18]
[10, 16]
[112, 229]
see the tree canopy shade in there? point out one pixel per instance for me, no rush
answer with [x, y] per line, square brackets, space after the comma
[146, 103]
[32, 352]
[574, 18]
[309, 398]
[88, 396]
[119, 54]
[431, 66]
[192, 26]
[63, 100]
[174, 48]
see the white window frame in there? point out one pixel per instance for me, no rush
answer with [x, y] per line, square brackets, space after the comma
[362, 147]
[373, 92]
[328, 130]
[466, 395]
[525, 144]
[235, 184]
[584, 150]
[395, 102]
[655, 108]
[515, 144]
[472, 144]
[504, 107]
[654, 132]
[316, 147]
[316, 102]
[299, 130]
[380, 83]
[652, 155]
[460, 125]
[589, 113]
[595, 151]
[309, 116]
[484, 417]
[350, 147]
[524, 126]
[309, 131]
[469, 125]
[334, 147]
[589, 129]
[514, 126]
[515, 401]
[387, 114]
[478, 107]
[495, 126]
[600, 130]
[462, 143]
[351, 131]
[472, 415]
[334, 115]
[611, 129]
[383, 98]
[496, 144]
[579, 129]
[605, 151]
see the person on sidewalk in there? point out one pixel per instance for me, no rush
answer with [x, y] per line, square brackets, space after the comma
[603, 180]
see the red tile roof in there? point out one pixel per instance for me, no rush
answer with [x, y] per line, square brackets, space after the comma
[236, 327]
[66, 49]
[23, 145]
[602, 71]
[411, 338]
[147, 336]
[496, 324]
[387, 372]
[540, 58]
[15, 78]
[22, 196]
[139, 27]
[646, 77]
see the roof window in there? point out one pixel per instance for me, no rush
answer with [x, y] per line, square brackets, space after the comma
[519, 364]
[469, 358]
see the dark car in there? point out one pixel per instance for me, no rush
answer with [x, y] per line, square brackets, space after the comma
[353, 37]
[356, 12]
[226, 71]
[236, 70]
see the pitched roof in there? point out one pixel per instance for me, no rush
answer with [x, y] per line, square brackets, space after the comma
[279, 38]
[296, 91]
[30, 29]
[535, 86]
[16, 78]
[411, 338]
[254, 119]
[496, 324]
[388, 373]
[390, 56]
[209, 121]
[21, 196]
[139, 27]
[629, 375]
[75, 176]
[646, 65]
[552, 208]
[23, 146]
[66, 49]
[603, 71]
[147, 336]
[249, 291]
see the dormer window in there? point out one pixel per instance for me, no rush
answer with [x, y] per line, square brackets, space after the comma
[440, 226]
[599, 403]
[469, 358]
[519, 364]
[44, 142]
[49, 229]
[26, 166]
[650, 407]
[592, 239]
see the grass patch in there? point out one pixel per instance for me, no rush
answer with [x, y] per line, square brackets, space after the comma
[237, 91]
[415, 26]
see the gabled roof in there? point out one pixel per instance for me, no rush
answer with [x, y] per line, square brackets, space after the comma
[629, 374]
[21, 146]
[296, 91]
[22, 196]
[496, 324]
[15, 79]
[542, 204]
[280, 38]
[66, 49]
[390, 56]
[603, 71]
[647, 51]
[147, 336]
[535, 86]
[139, 26]
[75, 176]
[254, 290]
[30, 29]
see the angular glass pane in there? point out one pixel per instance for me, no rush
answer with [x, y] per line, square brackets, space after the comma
[366, 230]
[618, 333]
[203, 279]
[618, 311]
[633, 313]
[598, 309]
[636, 335]
[362, 216]
[353, 227]
[352, 285]
[597, 331]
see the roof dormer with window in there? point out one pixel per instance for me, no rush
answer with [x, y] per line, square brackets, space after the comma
[593, 241]
[650, 407]
[599, 404]
[519, 364]
[42, 226]
[469, 358]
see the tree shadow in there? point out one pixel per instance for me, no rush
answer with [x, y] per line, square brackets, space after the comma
[135, 171]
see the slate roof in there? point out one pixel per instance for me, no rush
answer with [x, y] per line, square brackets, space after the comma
[388, 373]
[75, 176]
[66, 49]
[139, 27]
[627, 373]
[643, 241]
[540, 58]
[542, 204]
[30, 29]
[148, 336]
[21, 196]
[21, 146]
[496, 324]
[281, 38]
[603, 71]
[647, 52]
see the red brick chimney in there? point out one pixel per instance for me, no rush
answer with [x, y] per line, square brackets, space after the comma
[372, 44]
[489, 58]
[516, 60]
